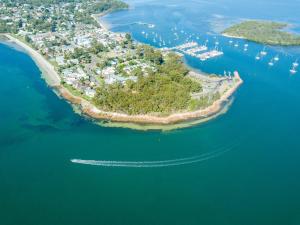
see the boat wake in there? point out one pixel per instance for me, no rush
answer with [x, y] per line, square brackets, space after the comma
[155, 164]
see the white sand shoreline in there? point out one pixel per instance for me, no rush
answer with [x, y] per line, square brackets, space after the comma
[232, 36]
[101, 22]
[51, 76]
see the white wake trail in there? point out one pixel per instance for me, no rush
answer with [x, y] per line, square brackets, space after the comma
[153, 164]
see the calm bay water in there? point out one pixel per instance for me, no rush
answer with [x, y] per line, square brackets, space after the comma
[255, 182]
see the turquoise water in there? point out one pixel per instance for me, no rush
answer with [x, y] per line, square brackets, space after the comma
[254, 179]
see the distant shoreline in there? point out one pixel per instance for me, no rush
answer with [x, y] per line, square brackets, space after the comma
[54, 80]
[98, 18]
[263, 32]
[51, 76]
[232, 36]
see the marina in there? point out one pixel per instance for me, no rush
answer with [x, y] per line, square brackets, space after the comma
[203, 52]
[193, 49]
[211, 54]
[240, 168]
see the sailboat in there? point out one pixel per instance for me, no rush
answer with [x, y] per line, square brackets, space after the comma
[293, 70]
[257, 57]
[271, 63]
[263, 52]
[295, 64]
[276, 58]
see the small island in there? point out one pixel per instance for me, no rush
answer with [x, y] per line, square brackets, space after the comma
[264, 32]
[109, 75]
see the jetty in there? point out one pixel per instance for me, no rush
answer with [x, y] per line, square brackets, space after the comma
[211, 54]
[194, 49]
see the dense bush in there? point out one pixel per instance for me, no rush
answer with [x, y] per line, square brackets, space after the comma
[165, 91]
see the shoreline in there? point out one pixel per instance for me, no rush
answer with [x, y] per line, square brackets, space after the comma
[232, 36]
[51, 76]
[97, 18]
[53, 80]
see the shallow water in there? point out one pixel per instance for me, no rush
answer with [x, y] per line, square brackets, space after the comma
[255, 182]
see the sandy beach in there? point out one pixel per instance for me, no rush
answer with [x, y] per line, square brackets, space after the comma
[51, 76]
[53, 79]
[231, 36]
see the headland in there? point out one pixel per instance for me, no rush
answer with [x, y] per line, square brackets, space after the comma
[205, 94]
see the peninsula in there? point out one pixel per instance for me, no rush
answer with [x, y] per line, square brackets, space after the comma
[109, 75]
[264, 32]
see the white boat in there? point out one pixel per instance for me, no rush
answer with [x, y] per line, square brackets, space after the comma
[276, 58]
[246, 45]
[245, 49]
[295, 64]
[271, 63]
[257, 57]
[293, 71]
[263, 52]
[231, 41]
[236, 45]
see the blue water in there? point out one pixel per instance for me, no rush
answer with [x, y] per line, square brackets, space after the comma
[255, 179]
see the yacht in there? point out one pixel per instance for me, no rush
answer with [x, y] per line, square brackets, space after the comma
[271, 63]
[276, 58]
[293, 70]
[263, 52]
[257, 57]
[236, 45]
[295, 64]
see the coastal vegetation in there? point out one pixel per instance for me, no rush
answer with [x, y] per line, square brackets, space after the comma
[165, 91]
[264, 32]
[110, 72]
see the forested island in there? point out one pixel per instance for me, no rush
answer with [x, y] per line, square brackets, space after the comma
[265, 32]
[109, 74]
